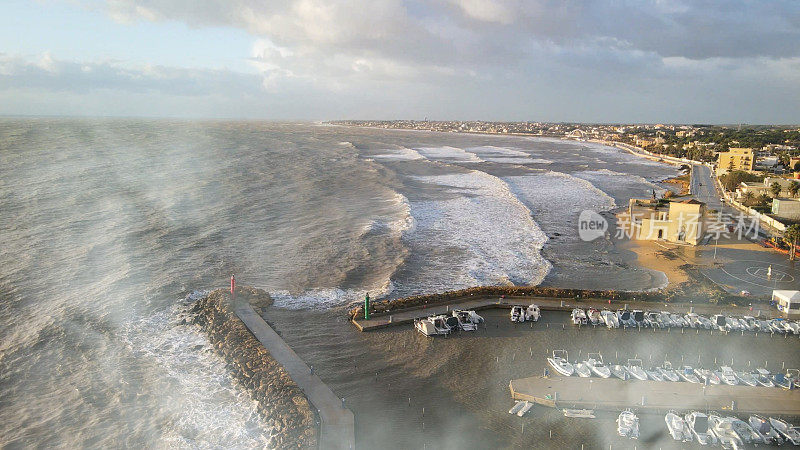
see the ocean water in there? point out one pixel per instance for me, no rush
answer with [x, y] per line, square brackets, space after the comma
[108, 225]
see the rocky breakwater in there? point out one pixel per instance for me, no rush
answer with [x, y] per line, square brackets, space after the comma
[281, 402]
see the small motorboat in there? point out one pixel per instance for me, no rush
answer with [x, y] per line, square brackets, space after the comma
[745, 432]
[719, 322]
[746, 378]
[625, 318]
[793, 375]
[687, 374]
[579, 413]
[628, 424]
[594, 362]
[634, 367]
[777, 326]
[707, 376]
[533, 313]
[433, 326]
[578, 317]
[668, 373]
[467, 320]
[728, 376]
[582, 369]
[723, 430]
[781, 381]
[677, 427]
[517, 314]
[525, 408]
[517, 407]
[763, 377]
[619, 371]
[654, 319]
[762, 426]
[594, 316]
[732, 324]
[751, 323]
[560, 363]
[678, 320]
[794, 327]
[609, 318]
[654, 374]
[699, 427]
[638, 318]
[764, 326]
[666, 319]
[788, 432]
[693, 320]
[705, 322]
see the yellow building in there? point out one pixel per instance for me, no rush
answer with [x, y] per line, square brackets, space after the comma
[735, 159]
[679, 221]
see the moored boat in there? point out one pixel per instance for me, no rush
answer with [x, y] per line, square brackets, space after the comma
[628, 424]
[560, 363]
[677, 427]
[687, 374]
[699, 426]
[668, 373]
[634, 367]
[595, 363]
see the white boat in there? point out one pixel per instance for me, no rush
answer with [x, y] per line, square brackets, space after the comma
[654, 374]
[625, 318]
[745, 432]
[609, 318]
[634, 367]
[728, 376]
[746, 378]
[638, 318]
[594, 316]
[794, 327]
[777, 325]
[782, 381]
[517, 314]
[677, 427]
[763, 377]
[578, 317]
[719, 322]
[693, 320]
[707, 376]
[595, 364]
[687, 374]
[788, 432]
[560, 363]
[580, 413]
[628, 424]
[678, 320]
[582, 369]
[517, 407]
[698, 425]
[432, 326]
[533, 313]
[668, 373]
[751, 323]
[732, 324]
[705, 322]
[764, 326]
[619, 371]
[762, 426]
[528, 405]
[653, 319]
[724, 432]
[467, 320]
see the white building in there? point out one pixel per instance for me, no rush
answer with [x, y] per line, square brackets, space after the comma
[787, 302]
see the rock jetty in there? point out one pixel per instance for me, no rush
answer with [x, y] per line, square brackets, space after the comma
[281, 402]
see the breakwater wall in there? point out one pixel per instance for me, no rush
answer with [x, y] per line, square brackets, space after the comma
[281, 402]
[419, 301]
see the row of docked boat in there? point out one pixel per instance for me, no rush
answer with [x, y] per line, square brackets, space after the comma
[520, 314]
[713, 428]
[444, 324]
[593, 365]
[624, 318]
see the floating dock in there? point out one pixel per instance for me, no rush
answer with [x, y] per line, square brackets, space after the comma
[613, 394]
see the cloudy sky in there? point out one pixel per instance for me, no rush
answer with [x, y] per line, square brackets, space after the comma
[725, 61]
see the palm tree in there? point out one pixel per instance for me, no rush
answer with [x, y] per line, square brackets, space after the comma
[792, 236]
[793, 188]
[776, 189]
[747, 198]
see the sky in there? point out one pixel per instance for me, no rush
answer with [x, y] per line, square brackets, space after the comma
[701, 61]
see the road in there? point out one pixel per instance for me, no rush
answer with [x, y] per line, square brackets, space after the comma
[704, 188]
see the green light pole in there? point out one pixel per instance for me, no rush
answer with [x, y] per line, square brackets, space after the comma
[366, 307]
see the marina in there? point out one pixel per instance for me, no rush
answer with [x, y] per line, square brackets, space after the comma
[613, 394]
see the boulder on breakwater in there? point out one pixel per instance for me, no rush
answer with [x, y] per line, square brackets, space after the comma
[280, 401]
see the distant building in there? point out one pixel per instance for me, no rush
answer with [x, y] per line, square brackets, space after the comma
[788, 302]
[794, 164]
[735, 159]
[786, 208]
[678, 221]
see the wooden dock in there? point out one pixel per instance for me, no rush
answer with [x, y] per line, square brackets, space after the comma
[613, 394]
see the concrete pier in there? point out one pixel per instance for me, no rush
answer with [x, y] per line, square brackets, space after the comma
[337, 424]
[613, 394]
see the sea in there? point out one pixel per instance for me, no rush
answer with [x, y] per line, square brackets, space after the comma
[110, 227]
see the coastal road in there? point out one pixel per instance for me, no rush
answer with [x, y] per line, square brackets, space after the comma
[704, 188]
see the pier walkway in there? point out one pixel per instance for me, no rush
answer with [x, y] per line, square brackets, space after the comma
[654, 396]
[337, 424]
[383, 320]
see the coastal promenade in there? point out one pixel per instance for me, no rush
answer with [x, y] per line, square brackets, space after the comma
[547, 304]
[654, 396]
[337, 422]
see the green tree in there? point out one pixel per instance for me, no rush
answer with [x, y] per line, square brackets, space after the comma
[776, 189]
[792, 236]
[793, 188]
[747, 198]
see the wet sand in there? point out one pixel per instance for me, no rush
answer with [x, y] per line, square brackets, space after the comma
[462, 381]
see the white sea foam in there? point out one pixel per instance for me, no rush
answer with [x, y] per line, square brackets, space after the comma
[205, 404]
[611, 182]
[505, 155]
[449, 154]
[498, 240]
[326, 298]
[401, 154]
